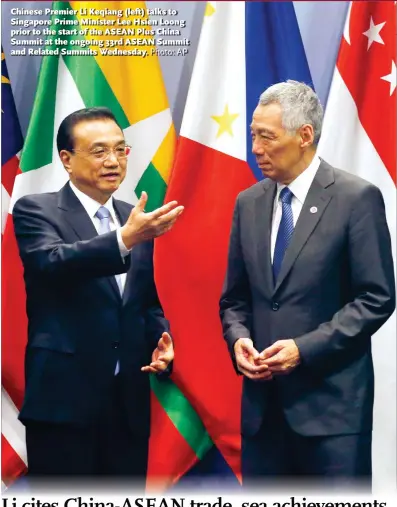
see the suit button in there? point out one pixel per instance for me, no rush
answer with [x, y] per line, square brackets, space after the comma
[115, 345]
[275, 306]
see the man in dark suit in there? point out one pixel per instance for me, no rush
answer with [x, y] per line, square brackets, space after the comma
[96, 327]
[309, 279]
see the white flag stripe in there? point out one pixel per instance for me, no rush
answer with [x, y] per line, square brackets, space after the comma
[145, 138]
[337, 149]
[51, 177]
[5, 204]
[12, 429]
[45, 179]
[220, 63]
[354, 152]
[346, 32]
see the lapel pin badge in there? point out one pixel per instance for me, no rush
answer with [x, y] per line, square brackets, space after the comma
[313, 209]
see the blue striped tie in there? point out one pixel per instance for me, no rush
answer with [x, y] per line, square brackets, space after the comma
[104, 216]
[285, 231]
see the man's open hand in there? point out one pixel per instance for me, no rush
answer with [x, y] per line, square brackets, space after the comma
[162, 355]
[142, 226]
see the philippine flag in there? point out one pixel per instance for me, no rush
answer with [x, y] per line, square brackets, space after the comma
[244, 47]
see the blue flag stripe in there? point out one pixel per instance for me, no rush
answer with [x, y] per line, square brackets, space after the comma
[274, 52]
[11, 137]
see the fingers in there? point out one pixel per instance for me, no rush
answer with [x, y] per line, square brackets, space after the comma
[153, 368]
[164, 210]
[250, 352]
[170, 216]
[140, 205]
[272, 350]
[256, 376]
[165, 222]
[165, 342]
[247, 349]
[276, 361]
[249, 367]
[157, 366]
[165, 214]
[249, 362]
[166, 339]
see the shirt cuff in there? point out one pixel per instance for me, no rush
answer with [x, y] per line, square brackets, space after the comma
[123, 249]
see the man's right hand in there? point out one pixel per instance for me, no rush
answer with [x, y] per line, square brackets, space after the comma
[249, 362]
[142, 226]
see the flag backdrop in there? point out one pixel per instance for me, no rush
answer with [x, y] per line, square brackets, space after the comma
[133, 89]
[13, 455]
[243, 48]
[359, 135]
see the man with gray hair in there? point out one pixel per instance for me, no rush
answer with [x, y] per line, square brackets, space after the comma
[309, 280]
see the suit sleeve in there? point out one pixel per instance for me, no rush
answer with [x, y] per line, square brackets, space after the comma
[372, 282]
[43, 251]
[235, 302]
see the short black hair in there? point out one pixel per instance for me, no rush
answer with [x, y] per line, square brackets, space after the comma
[65, 140]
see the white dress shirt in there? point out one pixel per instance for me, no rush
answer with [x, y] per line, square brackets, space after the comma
[91, 206]
[299, 188]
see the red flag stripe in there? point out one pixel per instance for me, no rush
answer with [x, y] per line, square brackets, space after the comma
[167, 441]
[8, 172]
[14, 319]
[200, 239]
[12, 466]
[366, 61]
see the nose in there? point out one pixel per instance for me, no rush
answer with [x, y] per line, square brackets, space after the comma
[257, 147]
[111, 160]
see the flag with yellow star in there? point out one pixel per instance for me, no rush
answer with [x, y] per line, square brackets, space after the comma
[244, 47]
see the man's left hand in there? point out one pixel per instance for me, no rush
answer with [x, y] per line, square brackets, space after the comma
[282, 357]
[162, 355]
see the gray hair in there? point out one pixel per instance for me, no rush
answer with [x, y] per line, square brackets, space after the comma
[299, 104]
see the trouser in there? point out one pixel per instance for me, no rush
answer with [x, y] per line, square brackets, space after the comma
[107, 447]
[277, 454]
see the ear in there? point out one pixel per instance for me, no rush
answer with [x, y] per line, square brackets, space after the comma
[307, 135]
[66, 159]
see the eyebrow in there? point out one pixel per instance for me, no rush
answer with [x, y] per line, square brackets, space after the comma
[103, 143]
[263, 130]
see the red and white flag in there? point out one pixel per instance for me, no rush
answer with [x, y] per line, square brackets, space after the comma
[359, 136]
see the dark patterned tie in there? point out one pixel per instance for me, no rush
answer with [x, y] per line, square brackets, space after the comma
[285, 231]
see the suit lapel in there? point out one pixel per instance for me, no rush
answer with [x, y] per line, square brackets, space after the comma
[77, 218]
[263, 225]
[313, 208]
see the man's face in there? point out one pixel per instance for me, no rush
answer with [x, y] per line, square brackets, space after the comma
[92, 175]
[277, 153]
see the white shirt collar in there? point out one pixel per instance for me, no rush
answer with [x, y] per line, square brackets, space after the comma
[301, 185]
[91, 206]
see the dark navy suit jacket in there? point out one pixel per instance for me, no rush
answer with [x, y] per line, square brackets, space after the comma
[79, 325]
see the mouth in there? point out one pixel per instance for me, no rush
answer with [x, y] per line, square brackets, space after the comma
[262, 165]
[111, 176]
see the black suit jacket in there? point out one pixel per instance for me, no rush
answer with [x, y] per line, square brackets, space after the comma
[79, 325]
[335, 289]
